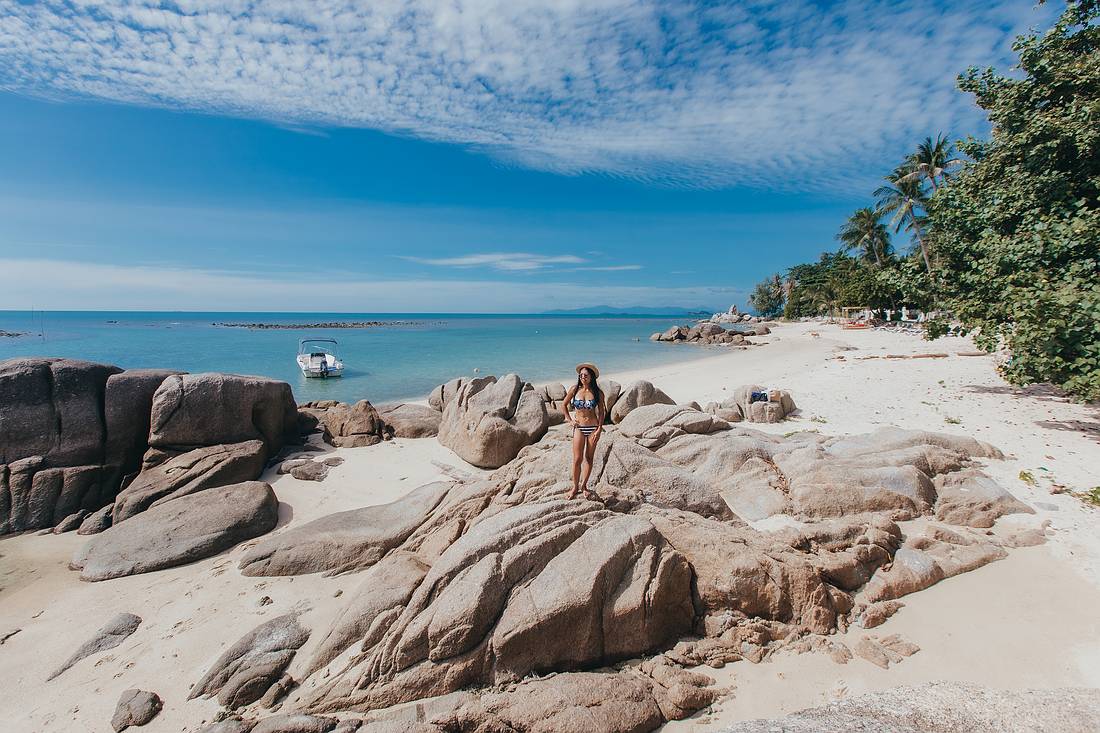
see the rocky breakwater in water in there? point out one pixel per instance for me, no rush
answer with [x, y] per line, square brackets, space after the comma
[494, 582]
[733, 315]
[327, 325]
[710, 333]
[95, 446]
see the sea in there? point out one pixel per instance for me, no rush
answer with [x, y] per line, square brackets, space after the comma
[402, 359]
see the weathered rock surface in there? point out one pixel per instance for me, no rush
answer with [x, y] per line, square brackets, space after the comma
[652, 426]
[296, 723]
[488, 581]
[71, 522]
[876, 614]
[250, 667]
[349, 426]
[383, 591]
[194, 410]
[537, 587]
[180, 531]
[927, 558]
[972, 499]
[229, 725]
[352, 540]
[72, 433]
[814, 476]
[97, 521]
[638, 394]
[53, 408]
[444, 393]
[703, 333]
[621, 702]
[412, 421]
[310, 471]
[778, 405]
[944, 706]
[188, 473]
[135, 708]
[742, 573]
[489, 421]
[553, 395]
[127, 404]
[113, 633]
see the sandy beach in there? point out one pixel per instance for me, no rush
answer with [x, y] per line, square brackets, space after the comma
[1023, 622]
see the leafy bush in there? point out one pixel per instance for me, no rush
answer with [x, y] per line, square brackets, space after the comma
[1018, 232]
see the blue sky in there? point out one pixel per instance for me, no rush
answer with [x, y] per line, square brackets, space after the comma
[461, 156]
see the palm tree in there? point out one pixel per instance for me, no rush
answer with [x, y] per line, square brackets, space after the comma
[865, 232]
[775, 283]
[932, 160]
[903, 196]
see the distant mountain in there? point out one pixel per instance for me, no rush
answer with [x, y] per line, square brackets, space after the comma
[607, 310]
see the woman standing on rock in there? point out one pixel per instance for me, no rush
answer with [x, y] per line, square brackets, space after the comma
[585, 399]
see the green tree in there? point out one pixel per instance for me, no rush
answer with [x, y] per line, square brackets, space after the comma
[767, 297]
[903, 198]
[933, 161]
[865, 233]
[1018, 231]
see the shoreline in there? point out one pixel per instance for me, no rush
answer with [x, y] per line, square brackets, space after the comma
[1029, 613]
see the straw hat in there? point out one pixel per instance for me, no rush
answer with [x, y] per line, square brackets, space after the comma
[595, 371]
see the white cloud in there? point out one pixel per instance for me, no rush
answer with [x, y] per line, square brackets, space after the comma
[607, 268]
[504, 261]
[760, 93]
[70, 285]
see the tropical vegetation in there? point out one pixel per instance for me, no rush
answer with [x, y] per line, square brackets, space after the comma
[1004, 232]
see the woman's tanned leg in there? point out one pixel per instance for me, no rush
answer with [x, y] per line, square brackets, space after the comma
[578, 457]
[589, 457]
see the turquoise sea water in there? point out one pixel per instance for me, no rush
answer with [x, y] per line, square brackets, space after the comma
[383, 364]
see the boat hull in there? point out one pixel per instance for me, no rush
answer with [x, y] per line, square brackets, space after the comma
[312, 368]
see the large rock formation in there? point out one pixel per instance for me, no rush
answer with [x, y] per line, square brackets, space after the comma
[349, 426]
[703, 333]
[412, 421]
[774, 407]
[53, 441]
[638, 394]
[190, 472]
[537, 587]
[127, 404]
[180, 531]
[72, 433]
[489, 421]
[195, 410]
[485, 582]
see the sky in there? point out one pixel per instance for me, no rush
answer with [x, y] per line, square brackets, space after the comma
[459, 155]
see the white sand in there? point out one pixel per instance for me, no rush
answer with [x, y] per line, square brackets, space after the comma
[1027, 621]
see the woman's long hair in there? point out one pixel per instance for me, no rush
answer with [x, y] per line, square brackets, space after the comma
[596, 391]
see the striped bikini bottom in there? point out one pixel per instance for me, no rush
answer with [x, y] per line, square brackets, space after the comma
[586, 430]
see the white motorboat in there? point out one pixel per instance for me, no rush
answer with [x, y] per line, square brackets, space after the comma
[316, 358]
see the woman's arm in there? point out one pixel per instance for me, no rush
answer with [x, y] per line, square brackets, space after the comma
[601, 412]
[567, 402]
